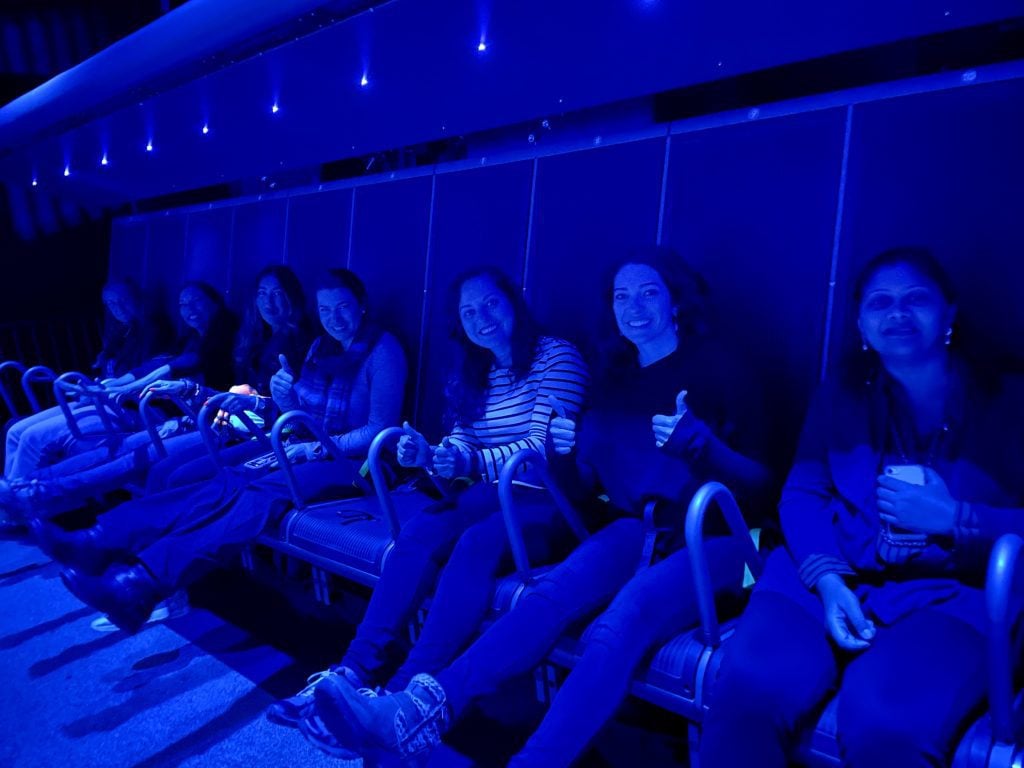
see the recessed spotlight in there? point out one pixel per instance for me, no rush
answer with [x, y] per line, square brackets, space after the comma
[364, 81]
[206, 129]
[149, 146]
[482, 47]
[103, 160]
[275, 109]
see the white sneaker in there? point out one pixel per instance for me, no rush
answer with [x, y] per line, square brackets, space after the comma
[174, 606]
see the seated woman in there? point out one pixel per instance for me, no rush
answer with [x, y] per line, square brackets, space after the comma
[352, 382]
[275, 324]
[902, 482]
[130, 337]
[672, 411]
[499, 398]
[205, 355]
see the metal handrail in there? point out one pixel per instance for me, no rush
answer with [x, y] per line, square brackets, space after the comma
[204, 422]
[1004, 611]
[37, 373]
[695, 514]
[277, 445]
[512, 527]
[5, 393]
[75, 383]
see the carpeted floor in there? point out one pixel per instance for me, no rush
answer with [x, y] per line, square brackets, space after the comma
[193, 691]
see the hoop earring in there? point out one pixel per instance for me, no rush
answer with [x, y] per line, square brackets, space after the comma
[864, 345]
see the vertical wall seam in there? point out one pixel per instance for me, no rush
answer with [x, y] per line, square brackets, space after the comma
[351, 229]
[664, 186]
[529, 225]
[423, 307]
[145, 261]
[287, 219]
[836, 238]
[231, 250]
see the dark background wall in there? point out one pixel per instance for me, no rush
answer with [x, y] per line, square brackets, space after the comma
[772, 208]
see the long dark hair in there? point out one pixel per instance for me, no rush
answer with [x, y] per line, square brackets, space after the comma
[858, 365]
[687, 288]
[254, 332]
[466, 390]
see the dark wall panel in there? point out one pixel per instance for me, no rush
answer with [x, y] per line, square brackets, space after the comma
[389, 252]
[318, 234]
[165, 261]
[589, 208]
[944, 170]
[128, 250]
[481, 219]
[208, 246]
[753, 208]
[258, 242]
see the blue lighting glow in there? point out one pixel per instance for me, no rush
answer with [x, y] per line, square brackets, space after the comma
[275, 109]
[35, 182]
[149, 146]
[364, 81]
[103, 160]
[67, 170]
[206, 129]
[482, 47]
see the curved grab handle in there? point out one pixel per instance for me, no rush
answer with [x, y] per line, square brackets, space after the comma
[5, 392]
[695, 514]
[205, 424]
[33, 375]
[380, 485]
[151, 423]
[512, 527]
[87, 391]
[276, 444]
[1003, 602]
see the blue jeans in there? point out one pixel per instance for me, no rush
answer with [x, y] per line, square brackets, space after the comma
[902, 701]
[195, 466]
[172, 532]
[648, 609]
[474, 523]
[44, 439]
[109, 468]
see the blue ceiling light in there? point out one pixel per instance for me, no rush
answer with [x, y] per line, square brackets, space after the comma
[275, 109]
[364, 81]
[482, 46]
[67, 170]
[149, 145]
[35, 182]
[206, 129]
[104, 160]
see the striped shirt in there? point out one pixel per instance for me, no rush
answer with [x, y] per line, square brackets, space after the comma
[517, 413]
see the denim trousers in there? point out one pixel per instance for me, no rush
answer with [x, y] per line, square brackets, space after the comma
[902, 702]
[469, 535]
[44, 439]
[647, 608]
[171, 533]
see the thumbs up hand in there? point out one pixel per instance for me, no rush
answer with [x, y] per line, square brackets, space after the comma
[561, 429]
[413, 450]
[281, 384]
[447, 459]
[663, 426]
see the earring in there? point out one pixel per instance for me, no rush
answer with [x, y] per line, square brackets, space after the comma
[864, 345]
[949, 335]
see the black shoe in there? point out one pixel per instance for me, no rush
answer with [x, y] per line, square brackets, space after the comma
[82, 549]
[127, 594]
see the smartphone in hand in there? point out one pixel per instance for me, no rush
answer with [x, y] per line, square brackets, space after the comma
[908, 473]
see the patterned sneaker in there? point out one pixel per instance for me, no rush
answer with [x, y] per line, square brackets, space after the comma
[403, 726]
[316, 733]
[174, 606]
[289, 711]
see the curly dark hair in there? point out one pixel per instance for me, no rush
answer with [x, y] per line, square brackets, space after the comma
[467, 385]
